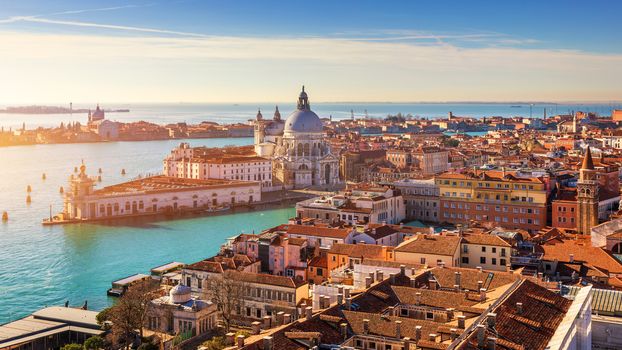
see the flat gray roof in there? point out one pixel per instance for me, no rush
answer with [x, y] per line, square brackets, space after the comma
[130, 279]
[166, 267]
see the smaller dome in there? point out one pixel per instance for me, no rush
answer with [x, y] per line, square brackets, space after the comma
[180, 294]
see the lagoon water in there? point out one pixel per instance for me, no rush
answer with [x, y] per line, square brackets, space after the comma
[42, 266]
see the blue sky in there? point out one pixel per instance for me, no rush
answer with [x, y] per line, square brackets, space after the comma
[243, 51]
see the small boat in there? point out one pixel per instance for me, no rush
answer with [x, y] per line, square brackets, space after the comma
[5, 216]
[28, 189]
[516, 106]
[28, 199]
[43, 177]
[61, 190]
[100, 170]
[75, 169]
[218, 209]
[122, 171]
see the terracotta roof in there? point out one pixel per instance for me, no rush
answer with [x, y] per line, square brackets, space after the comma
[446, 277]
[485, 239]
[435, 298]
[431, 244]
[582, 250]
[359, 250]
[262, 278]
[532, 328]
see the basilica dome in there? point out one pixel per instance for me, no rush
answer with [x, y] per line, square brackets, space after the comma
[303, 119]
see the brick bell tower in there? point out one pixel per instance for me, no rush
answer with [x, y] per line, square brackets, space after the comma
[587, 195]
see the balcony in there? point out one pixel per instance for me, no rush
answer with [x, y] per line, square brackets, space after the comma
[527, 260]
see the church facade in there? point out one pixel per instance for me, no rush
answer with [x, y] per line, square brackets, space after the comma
[301, 156]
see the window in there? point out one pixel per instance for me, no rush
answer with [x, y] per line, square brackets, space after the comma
[404, 312]
[502, 262]
[494, 261]
[502, 251]
[494, 250]
[319, 271]
[189, 281]
[482, 260]
[483, 249]
[422, 261]
[429, 316]
[465, 260]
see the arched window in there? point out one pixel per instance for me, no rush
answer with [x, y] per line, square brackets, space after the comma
[300, 149]
[306, 149]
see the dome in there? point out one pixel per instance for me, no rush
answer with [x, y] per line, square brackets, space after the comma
[303, 119]
[180, 294]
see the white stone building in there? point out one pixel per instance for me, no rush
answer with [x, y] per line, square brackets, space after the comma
[202, 163]
[301, 155]
[152, 195]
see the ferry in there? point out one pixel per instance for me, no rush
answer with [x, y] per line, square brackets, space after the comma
[119, 287]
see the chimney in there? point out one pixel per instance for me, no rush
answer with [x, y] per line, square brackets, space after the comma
[391, 310]
[340, 290]
[230, 338]
[519, 308]
[339, 298]
[481, 335]
[346, 293]
[267, 343]
[371, 275]
[482, 294]
[491, 319]
[457, 287]
[367, 282]
[479, 269]
[458, 280]
[461, 319]
[309, 312]
[441, 264]
[432, 284]
[240, 341]
[321, 301]
[392, 278]
[398, 329]
[344, 330]
[413, 271]
[279, 318]
[287, 318]
[267, 322]
[540, 276]
[571, 258]
[417, 333]
[480, 285]
[256, 327]
[403, 270]
[492, 343]
[450, 313]
[406, 343]
[418, 298]
[454, 334]
[365, 326]
[348, 303]
[413, 282]
[379, 275]
[432, 337]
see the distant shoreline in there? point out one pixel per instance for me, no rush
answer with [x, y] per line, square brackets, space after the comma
[28, 110]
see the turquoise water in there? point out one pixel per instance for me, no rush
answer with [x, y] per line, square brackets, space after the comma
[42, 266]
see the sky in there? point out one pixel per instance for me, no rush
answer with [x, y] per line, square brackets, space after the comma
[263, 51]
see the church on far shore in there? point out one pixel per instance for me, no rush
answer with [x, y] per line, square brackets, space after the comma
[301, 155]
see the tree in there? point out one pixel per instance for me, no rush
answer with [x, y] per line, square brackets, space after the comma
[129, 314]
[72, 347]
[227, 293]
[94, 343]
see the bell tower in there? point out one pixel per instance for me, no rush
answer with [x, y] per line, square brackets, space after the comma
[587, 195]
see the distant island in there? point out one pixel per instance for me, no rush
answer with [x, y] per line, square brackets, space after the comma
[51, 110]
